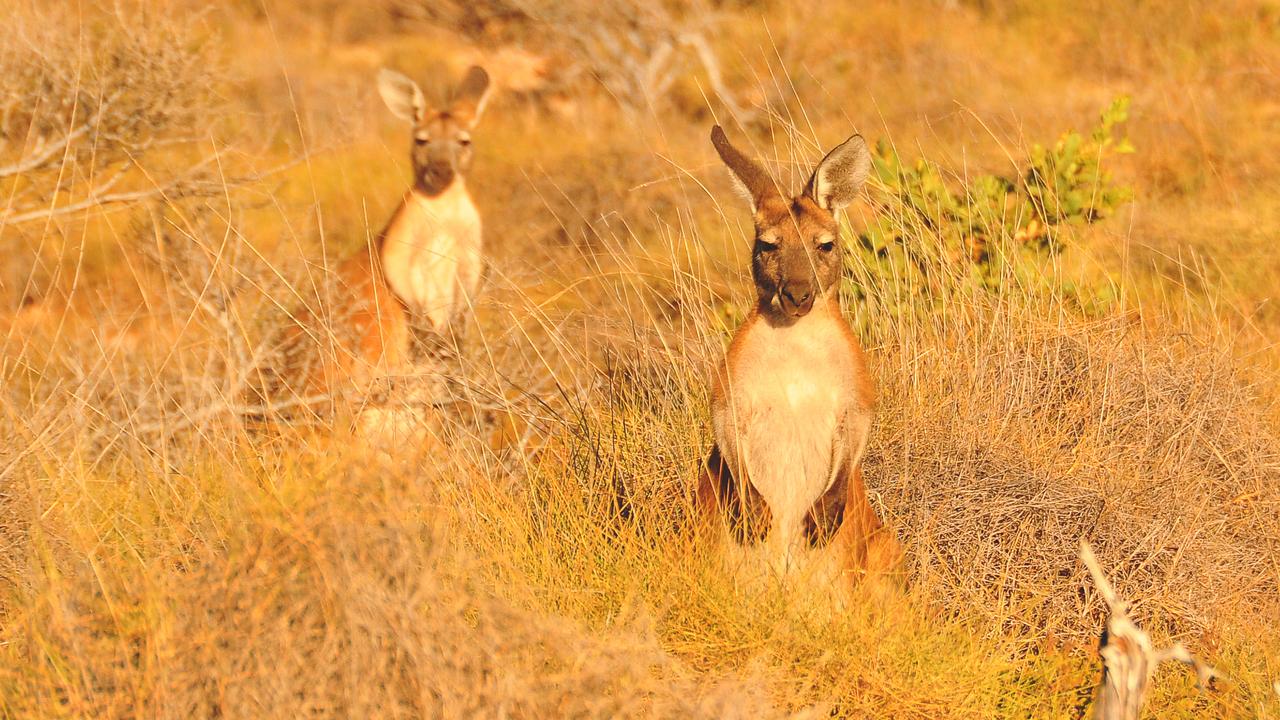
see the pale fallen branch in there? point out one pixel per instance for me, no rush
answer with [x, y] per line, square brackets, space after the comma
[171, 425]
[1128, 657]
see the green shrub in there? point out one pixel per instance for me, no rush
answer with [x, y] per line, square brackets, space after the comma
[995, 233]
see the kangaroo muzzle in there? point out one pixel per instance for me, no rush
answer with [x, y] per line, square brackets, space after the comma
[796, 299]
[437, 173]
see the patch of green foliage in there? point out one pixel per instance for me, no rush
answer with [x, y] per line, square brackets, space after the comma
[994, 233]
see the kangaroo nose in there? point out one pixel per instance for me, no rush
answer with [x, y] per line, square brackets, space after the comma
[802, 299]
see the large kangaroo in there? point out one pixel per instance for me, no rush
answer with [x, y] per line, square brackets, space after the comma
[419, 275]
[791, 404]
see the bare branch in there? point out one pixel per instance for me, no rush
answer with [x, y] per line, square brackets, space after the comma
[1128, 658]
[1099, 578]
[173, 191]
[171, 425]
[42, 155]
[149, 89]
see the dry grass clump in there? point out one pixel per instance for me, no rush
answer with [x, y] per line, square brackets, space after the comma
[100, 109]
[338, 594]
[161, 556]
[1003, 437]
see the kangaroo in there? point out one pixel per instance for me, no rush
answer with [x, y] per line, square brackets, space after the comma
[792, 402]
[423, 271]
[431, 249]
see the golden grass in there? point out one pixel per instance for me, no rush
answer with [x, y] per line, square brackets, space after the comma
[159, 557]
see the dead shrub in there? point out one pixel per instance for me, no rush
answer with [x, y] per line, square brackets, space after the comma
[100, 109]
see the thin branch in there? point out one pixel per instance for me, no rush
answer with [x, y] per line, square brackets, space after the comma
[174, 190]
[89, 203]
[1099, 578]
[1128, 657]
[42, 156]
[171, 425]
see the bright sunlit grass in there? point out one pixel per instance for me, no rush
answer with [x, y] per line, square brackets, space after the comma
[161, 555]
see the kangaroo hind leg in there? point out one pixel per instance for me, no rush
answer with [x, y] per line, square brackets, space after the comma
[725, 499]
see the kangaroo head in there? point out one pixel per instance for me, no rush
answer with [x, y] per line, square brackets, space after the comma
[441, 138]
[796, 258]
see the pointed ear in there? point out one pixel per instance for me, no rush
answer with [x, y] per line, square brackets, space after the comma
[470, 97]
[751, 177]
[837, 179]
[402, 96]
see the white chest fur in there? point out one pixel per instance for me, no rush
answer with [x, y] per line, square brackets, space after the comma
[431, 253]
[789, 388]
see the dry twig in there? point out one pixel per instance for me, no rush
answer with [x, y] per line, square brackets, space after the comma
[1128, 657]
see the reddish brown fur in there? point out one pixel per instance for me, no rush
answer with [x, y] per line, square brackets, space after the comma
[366, 335]
[368, 331]
[796, 265]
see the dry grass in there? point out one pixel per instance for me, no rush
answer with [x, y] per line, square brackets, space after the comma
[343, 598]
[160, 557]
[1146, 441]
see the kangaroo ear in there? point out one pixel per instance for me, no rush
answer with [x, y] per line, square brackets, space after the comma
[470, 97]
[402, 96]
[837, 179]
[751, 177]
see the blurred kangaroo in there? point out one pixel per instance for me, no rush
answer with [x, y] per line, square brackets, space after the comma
[792, 403]
[421, 273]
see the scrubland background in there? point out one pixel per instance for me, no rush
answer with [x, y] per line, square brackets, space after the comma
[178, 177]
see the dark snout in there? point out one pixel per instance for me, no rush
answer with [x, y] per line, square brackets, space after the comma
[797, 298]
[435, 178]
[437, 167]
